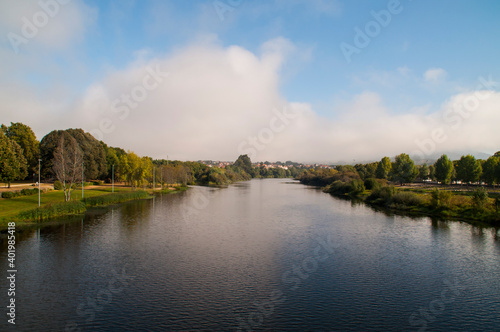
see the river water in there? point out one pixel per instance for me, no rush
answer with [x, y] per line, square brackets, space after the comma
[262, 255]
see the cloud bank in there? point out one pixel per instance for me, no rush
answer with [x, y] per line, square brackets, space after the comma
[206, 101]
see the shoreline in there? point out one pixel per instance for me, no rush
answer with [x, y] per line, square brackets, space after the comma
[87, 205]
[423, 209]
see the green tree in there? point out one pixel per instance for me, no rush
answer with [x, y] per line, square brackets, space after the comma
[490, 170]
[468, 169]
[13, 164]
[383, 168]
[94, 153]
[25, 137]
[404, 170]
[432, 172]
[245, 164]
[443, 169]
[423, 172]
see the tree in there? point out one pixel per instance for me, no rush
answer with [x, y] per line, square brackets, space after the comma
[468, 169]
[424, 172]
[25, 137]
[404, 170]
[68, 164]
[443, 169]
[490, 170]
[94, 153]
[245, 164]
[432, 172]
[13, 164]
[383, 168]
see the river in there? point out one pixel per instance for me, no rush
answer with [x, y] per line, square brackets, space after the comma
[262, 255]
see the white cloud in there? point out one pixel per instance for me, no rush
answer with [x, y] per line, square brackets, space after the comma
[435, 75]
[27, 25]
[216, 98]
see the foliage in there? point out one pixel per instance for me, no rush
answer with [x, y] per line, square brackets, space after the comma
[432, 172]
[441, 198]
[94, 154]
[25, 137]
[404, 170]
[382, 195]
[468, 169]
[22, 192]
[357, 187]
[443, 169]
[114, 198]
[366, 171]
[29, 192]
[323, 177]
[423, 172]
[13, 164]
[353, 188]
[490, 167]
[383, 168]
[9, 194]
[372, 184]
[58, 185]
[51, 211]
[406, 199]
[479, 198]
[245, 164]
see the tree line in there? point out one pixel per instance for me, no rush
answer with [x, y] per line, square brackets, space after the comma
[71, 156]
[466, 170]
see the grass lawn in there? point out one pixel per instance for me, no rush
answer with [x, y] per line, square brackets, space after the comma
[12, 206]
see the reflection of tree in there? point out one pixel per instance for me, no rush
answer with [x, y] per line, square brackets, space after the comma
[68, 164]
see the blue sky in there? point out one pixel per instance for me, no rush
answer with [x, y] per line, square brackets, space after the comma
[422, 59]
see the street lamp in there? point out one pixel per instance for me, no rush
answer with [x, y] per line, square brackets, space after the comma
[39, 167]
[113, 177]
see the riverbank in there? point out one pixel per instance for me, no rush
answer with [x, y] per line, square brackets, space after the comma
[475, 206]
[24, 210]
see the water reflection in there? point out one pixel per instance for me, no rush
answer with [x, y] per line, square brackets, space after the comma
[206, 270]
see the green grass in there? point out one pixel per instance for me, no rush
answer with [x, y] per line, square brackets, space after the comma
[25, 210]
[50, 211]
[114, 198]
[10, 208]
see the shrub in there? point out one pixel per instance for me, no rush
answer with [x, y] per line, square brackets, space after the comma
[479, 198]
[97, 183]
[338, 188]
[357, 187]
[29, 192]
[441, 198]
[406, 199]
[52, 211]
[8, 194]
[372, 184]
[58, 185]
[382, 195]
[114, 198]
